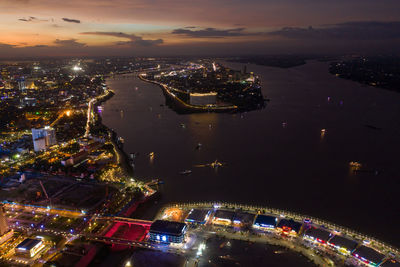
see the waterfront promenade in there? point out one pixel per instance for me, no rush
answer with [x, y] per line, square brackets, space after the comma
[296, 244]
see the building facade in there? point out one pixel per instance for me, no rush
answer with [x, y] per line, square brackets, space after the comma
[162, 231]
[3, 221]
[43, 138]
[199, 99]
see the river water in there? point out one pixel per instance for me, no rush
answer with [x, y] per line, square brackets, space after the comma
[277, 156]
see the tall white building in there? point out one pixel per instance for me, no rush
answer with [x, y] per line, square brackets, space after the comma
[43, 138]
[3, 221]
[21, 84]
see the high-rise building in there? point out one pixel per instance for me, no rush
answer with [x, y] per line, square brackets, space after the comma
[43, 138]
[39, 144]
[21, 84]
[3, 221]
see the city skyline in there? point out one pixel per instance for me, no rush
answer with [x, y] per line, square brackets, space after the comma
[199, 133]
[144, 28]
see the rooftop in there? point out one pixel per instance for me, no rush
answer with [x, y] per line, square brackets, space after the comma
[224, 214]
[294, 226]
[244, 217]
[343, 242]
[197, 215]
[167, 227]
[318, 233]
[28, 244]
[369, 254]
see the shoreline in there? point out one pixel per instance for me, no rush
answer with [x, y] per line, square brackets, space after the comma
[124, 158]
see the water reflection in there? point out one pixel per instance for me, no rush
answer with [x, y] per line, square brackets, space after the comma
[274, 156]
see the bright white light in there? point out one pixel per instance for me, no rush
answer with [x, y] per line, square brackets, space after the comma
[76, 68]
[202, 246]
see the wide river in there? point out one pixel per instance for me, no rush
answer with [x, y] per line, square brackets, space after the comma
[277, 156]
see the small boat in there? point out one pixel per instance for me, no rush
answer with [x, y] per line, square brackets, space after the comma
[198, 146]
[183, 125]
[355, 164]
[372, 127]
[151, 154]
[186, 172]
[216, 164]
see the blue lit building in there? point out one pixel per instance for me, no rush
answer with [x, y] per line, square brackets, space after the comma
[162, 231]
[265, 222]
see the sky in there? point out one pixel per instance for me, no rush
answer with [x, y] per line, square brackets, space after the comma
[31, 28]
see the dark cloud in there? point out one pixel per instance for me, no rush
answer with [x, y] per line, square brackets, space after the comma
[211, 32]
[71, 20]
[134, 40]
[115, 34]
[68, 43]
[3, 45]
[18, 1]
[32, 19]
[40, 46]
[364, 30]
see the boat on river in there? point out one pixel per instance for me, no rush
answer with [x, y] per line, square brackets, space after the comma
[186, 172]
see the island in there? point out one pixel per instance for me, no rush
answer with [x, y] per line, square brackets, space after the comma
[206, 86]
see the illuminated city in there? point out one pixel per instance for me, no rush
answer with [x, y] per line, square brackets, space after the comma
[199, 133]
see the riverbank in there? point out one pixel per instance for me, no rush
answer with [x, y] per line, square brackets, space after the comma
[122, 158]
